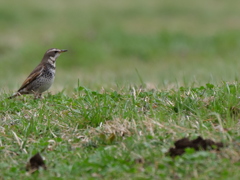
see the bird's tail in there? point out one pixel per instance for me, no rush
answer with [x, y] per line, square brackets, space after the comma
[14, 95]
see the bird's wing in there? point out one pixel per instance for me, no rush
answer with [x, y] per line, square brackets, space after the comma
[34, 74]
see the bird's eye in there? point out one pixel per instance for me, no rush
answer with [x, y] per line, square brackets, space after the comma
[56, 52]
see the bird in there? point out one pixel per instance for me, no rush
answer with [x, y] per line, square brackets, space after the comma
[42, 77]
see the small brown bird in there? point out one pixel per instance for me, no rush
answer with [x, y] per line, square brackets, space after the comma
[42, 77]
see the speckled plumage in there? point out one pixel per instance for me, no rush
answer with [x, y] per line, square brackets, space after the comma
[42, 77]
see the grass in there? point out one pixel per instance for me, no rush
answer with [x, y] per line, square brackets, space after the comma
[138, 76]
[122, 133]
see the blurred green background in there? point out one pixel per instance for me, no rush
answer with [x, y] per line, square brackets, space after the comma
[169, 43]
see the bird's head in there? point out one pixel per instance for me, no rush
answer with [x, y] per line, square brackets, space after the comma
[52, 54]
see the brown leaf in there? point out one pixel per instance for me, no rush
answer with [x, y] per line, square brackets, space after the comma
[111, 138]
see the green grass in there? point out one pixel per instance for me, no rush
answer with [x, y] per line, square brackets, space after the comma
[138, 76]
[122, 134]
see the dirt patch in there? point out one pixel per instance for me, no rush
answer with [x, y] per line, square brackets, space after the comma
[198, 144]
[35, 163]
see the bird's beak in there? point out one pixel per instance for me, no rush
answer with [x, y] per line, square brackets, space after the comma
[63, 50]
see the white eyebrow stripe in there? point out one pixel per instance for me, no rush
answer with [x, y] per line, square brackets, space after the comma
[50, 50]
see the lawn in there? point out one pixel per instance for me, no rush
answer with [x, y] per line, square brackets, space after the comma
[138, 75]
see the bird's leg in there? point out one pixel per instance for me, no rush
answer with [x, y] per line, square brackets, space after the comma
[37, 95]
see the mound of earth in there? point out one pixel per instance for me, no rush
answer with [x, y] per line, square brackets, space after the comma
[198, 144]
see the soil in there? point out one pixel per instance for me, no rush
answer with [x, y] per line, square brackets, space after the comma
[35, 163]
[197, 144]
